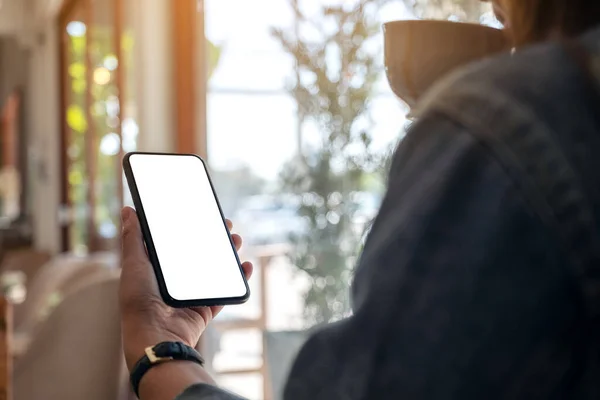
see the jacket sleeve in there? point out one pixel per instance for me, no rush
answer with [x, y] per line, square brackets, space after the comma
[207, 392]
[460, 292]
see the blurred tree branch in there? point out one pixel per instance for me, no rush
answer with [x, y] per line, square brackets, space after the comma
[460, 10]
[337, 69]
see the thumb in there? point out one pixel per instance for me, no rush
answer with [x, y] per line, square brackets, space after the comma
[137, 280]
[133, 244]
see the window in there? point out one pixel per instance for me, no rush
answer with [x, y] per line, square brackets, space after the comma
[11, 168]
[298, 153]
[301, 124]
[99, 120]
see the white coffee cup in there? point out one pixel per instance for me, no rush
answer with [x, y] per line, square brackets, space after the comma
[420, 52]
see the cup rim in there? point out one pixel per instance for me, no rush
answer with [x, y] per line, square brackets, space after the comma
[438, 22]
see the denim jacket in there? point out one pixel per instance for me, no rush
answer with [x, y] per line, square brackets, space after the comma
[478, 279]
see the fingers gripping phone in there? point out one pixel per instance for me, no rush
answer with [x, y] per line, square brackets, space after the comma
[186, 236]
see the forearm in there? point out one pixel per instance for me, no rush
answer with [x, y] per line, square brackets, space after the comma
[169, 380]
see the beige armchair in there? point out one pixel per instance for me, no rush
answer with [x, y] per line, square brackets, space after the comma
[76, 353]
[44, 291]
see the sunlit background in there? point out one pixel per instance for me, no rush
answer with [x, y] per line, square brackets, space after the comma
[286, 99]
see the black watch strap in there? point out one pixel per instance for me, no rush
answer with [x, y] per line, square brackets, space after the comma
[162, 352]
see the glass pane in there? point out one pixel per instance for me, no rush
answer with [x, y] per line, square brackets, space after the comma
[299, 138]
[241, 45]
[263, 124]
[239, 349]
[228, 76]
[301, 127]
[95, 116]
[105, 110]
[11, 166]
[74, 36]
[247, 385]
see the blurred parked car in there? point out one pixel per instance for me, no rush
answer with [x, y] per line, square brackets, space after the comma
[269, 219]
[273, 219]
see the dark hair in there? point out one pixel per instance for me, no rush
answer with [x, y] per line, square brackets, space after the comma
[537, 20]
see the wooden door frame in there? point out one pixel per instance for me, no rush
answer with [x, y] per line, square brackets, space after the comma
[184, 15]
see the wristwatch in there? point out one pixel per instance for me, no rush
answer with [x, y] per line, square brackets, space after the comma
[161, 353]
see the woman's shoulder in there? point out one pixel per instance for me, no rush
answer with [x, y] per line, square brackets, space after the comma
[539, 91]
[537, 112]
[517, 78]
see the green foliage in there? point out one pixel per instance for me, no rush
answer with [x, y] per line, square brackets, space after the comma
[77, 121]
[92, 118]
[336, 75]
[214, 56]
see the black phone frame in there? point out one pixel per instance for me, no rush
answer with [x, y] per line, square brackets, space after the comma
[152, 255]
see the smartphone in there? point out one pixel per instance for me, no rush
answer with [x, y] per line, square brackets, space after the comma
[184, 230]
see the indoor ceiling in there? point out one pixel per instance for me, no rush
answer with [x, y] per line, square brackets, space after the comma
[11, 16]
[15, 15]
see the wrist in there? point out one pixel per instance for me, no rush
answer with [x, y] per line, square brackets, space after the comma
[135, 348]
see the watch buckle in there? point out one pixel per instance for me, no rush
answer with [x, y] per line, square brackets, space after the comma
[153, 358]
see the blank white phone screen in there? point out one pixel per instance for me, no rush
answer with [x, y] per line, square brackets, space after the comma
[191, 241]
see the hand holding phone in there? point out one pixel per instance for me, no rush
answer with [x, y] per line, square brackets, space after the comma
[145, 318]
[185, 233]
